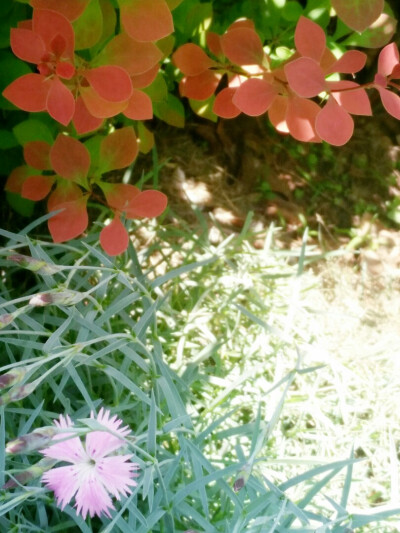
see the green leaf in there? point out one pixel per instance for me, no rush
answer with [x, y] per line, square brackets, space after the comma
[7, 140]
[88, 27]
[32, 130]
[171, 111]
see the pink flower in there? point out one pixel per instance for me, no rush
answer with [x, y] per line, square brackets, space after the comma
[93, 474]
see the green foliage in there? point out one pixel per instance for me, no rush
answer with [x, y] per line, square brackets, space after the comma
[82, 332]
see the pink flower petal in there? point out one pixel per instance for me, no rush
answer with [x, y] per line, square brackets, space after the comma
[64, 482]
[70, 449]
[116, 474]
[92, 496]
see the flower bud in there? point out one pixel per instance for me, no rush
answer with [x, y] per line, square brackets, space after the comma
[35, 265]
[38, 438]
[17, 393]
[6, 319]
[13, 377]
[66, 297]
[32, 472]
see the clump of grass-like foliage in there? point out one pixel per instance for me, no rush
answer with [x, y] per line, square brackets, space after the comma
[200, 361]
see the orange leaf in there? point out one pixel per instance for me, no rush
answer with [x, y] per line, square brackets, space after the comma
[277, 114]
[140, 81]
[36, 154]
[358, 14]
[223, 105]
[51, 25]
[28, 92]
[70, 158]
[243, 46]
[98, 106]
[254, 97]
[355, 102]
[391, 102]
[310, 39]
[71, 222]
[133, 56]
[27, 45]
[119, 195]
[118, 150]
[66, 191]
[191, 59]
[37, 187]
[388, 59]
[146, 20]
[351, 61]
[83, 121]
[60, 102]
[147, 204]
[114, 238]
[139, 106]
[17, 178]
[305, 77]
[200, 87]
[110, 82]
[71, 9]
[334, 124]
[214, 44]
[300, 118]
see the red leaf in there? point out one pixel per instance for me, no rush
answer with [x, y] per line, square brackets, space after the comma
[97, 106]
[146, 20]
[351, 61]
[71, 9]
[254, 97]
[241, 23]
[147, 204]
[83, 121]
[118, 150]
[29, 92]
[27, 45]
[36, 154]
[327, 60]
[119, 195]
[70, 222]
[110, 82]
[310, 39]
[70, 158]
[191, 59]
[200, 87]
[355, 102]
[334, 124]
[17, 178]
[50, 25]
[114, 238]
[60, 102]
[139, 106]
[305, 77]
[388, 59]
[358, 14]
[214, 44]
[391, 102]
[66, 191]
[223, 105]
[133, 56]
[277, 114]
[140, 81]
[37, 187]
[65, 70]
[243, 46]
[300, 119]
